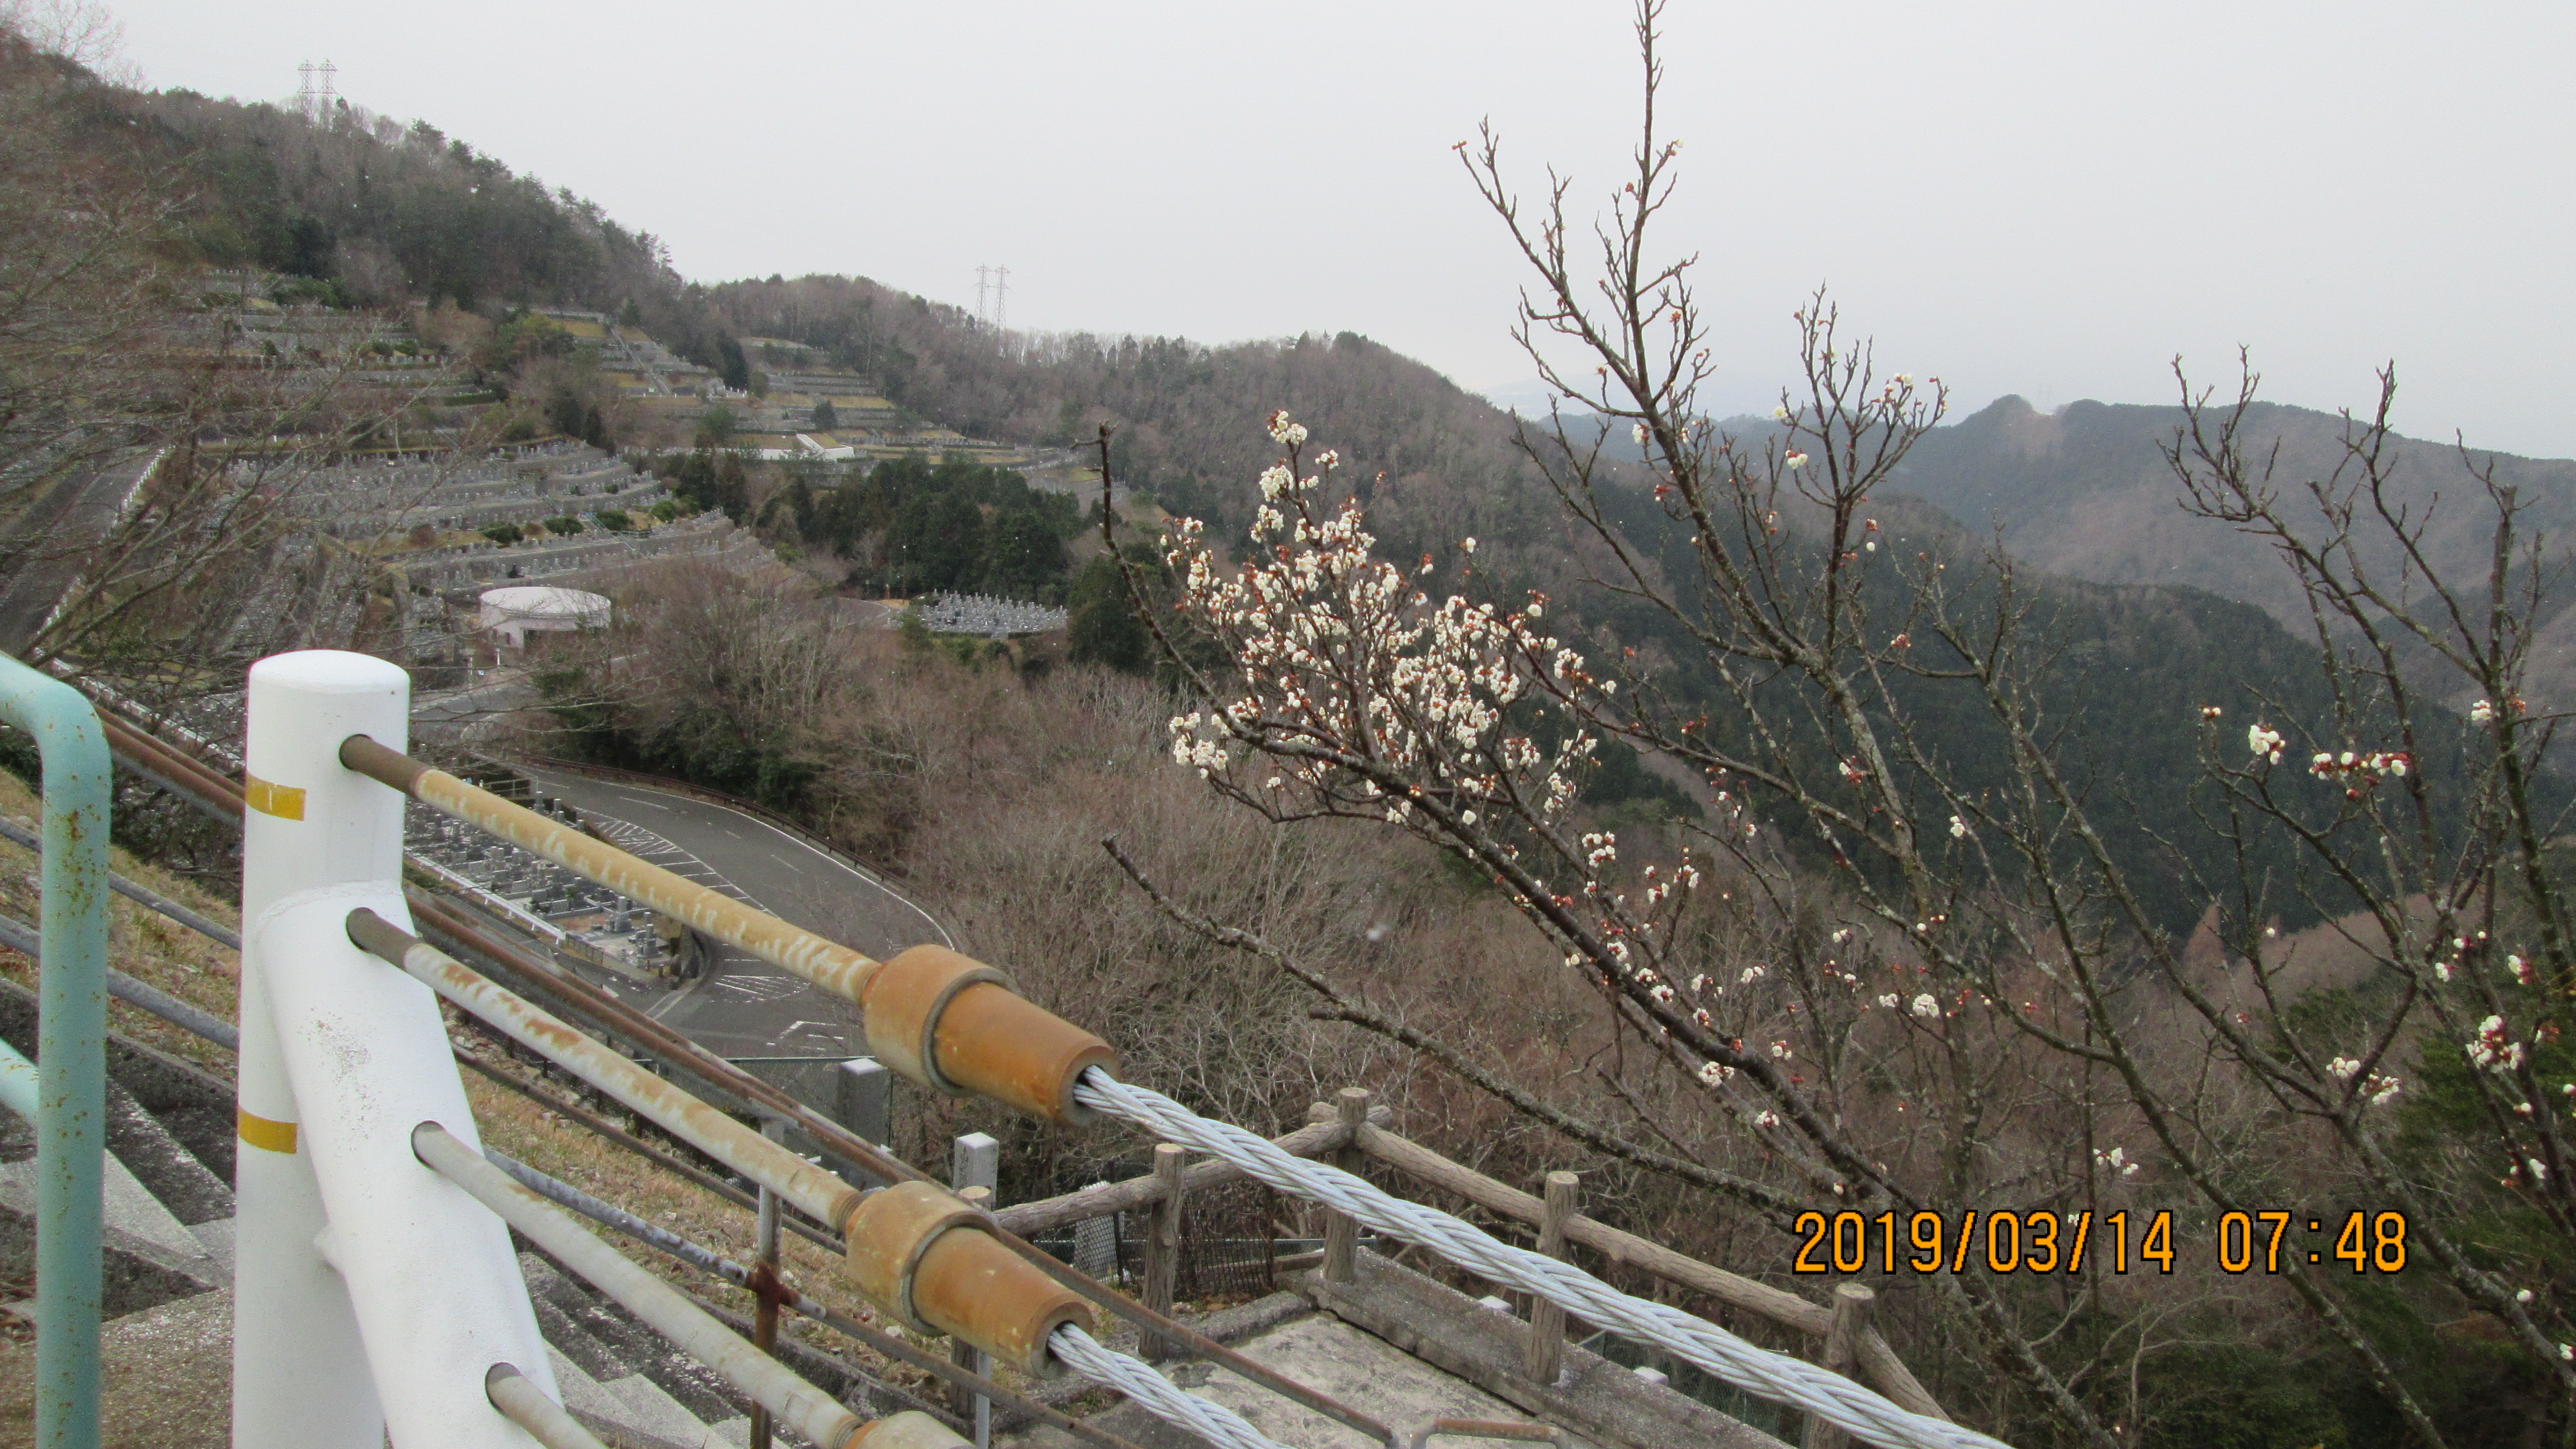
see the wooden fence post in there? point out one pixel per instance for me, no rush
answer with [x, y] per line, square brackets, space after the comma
[1544, 1357]
[1842, 1350]
[1341, 1233]
[1163, 1244]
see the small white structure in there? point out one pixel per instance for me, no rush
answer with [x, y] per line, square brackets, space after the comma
[511, 615]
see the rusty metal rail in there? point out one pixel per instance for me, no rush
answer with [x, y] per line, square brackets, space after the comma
[1491, 1429]
[942, 1020]
[799, 952]
[816, 1193]
[762, 1379]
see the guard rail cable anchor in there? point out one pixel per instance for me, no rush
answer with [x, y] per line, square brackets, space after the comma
[915, 1251]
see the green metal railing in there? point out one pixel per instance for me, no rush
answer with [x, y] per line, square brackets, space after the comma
[71, 1075]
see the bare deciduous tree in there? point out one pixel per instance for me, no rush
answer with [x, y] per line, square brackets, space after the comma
[1908, 962]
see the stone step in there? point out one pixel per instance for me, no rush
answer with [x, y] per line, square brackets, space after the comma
[625, 1347]
[164, 1165]
[150, 1257]
[595, 1379]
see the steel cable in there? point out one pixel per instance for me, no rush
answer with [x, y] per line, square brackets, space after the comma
[1133, 1377]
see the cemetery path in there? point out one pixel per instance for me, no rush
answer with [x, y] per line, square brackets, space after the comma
[743, 1006]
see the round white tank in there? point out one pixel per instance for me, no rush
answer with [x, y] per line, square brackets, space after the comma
[512, 614]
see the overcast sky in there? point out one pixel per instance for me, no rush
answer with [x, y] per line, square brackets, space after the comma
[2049, 199]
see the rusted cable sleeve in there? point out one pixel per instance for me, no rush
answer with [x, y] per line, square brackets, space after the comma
[951, 1022]
[799, 952]
[926, 1259]
[664, 1309]
[524, 1404]
[705, 1181]
[816, 1193]
[609, 1215]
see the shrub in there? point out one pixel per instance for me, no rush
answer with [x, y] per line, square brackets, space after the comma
[503, 532]
[566, 525]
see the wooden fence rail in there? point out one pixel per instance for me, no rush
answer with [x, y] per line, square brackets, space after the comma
[1328, 1133]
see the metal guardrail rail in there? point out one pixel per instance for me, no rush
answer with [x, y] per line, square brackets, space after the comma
[69, 1102]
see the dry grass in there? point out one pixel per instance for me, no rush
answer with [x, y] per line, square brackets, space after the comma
[141, 943]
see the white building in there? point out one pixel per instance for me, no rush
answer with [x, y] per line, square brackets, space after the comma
[510, 615]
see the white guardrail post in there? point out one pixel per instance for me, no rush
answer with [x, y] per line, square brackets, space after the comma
[370, 1293]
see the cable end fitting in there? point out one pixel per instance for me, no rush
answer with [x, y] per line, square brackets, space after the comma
[951, 1022]
[923, 1257]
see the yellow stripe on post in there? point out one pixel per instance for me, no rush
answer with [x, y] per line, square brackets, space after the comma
[261, 1133]
[286, 802]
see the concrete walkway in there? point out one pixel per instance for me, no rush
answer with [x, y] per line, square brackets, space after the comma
[165, 1374]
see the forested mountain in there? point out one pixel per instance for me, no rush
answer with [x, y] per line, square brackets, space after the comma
[2086, 491]
[1187, 417]
[378, 212]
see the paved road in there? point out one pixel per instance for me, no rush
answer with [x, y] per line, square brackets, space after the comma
[743, 1006]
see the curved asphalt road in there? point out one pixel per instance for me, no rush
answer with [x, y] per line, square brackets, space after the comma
[743, 1006]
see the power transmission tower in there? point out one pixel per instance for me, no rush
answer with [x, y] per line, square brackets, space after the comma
[304, 89]
[1001, 299]
[329, 92]
[981, 315]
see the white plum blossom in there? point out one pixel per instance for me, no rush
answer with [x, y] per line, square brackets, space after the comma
[1284, 432]
[1715, 1074]
[2359, 772]
[1926, 1005]
[2495, 1050]
[2265, 742]
[1958, 828]
[1794, 459]
[1888, 1001]
[2342, 1068]
[2115, 1160]
[2482, 712]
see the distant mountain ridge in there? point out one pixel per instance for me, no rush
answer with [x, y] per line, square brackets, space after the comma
[2085, 491]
